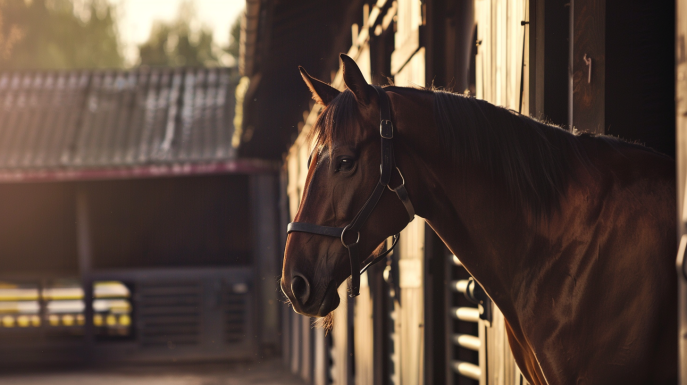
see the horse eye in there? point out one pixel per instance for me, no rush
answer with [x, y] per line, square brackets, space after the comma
[344, 164]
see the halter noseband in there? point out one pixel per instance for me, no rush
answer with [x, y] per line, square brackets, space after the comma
[386, 131]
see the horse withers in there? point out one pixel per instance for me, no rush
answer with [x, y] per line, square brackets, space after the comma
[571, 235]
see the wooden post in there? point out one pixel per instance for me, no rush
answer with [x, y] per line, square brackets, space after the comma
[266, 260]
[681, 140]
[85, 256]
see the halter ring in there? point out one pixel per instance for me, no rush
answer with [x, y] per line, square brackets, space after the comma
[343, 233]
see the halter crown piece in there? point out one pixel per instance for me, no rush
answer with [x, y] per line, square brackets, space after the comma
[386, 131]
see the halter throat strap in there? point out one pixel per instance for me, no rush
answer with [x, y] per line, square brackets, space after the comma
[388, 164]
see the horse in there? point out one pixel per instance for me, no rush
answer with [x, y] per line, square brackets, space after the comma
[572, 235]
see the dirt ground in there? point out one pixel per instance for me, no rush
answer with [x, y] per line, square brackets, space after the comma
[236, 373]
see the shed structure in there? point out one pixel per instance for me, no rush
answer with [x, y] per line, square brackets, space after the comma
[130, 230]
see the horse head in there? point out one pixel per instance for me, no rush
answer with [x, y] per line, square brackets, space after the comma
[338, 229]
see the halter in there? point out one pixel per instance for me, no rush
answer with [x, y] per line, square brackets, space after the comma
[386, 131]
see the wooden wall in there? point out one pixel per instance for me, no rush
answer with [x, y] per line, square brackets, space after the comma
[349, 345]
[681, 133]
[354, 357]
[408, 68]
[501, 54]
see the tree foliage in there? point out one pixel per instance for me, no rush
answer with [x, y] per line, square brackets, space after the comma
[235, 38]
[181, 42]
[52, 34]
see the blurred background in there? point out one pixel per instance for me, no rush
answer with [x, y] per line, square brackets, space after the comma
[152, 152]
[131, 230]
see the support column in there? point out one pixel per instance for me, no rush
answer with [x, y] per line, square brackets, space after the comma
[85, 257]
[266, 257]
[681, 141]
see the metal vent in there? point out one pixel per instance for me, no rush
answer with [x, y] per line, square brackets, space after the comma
[235, 312]
[464, 330]
[169, 313]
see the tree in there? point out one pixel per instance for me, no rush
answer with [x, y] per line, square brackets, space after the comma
[51, 35]
[181, 42]
[235, 38]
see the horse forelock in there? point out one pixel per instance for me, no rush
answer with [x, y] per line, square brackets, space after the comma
[336, 121]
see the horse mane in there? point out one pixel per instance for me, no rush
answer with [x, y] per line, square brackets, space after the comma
[532, 160]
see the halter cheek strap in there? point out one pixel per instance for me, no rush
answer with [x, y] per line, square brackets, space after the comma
[386, 132]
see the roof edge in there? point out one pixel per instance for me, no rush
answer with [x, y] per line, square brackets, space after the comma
[239, 166]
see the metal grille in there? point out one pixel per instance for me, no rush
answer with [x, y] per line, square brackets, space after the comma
[235, 313]
[169, 313]
[463, 321]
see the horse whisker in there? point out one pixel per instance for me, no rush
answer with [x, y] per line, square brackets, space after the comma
[326, 323]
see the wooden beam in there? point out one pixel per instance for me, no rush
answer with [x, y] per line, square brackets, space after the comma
[681, 141]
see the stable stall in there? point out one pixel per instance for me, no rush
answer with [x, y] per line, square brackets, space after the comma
[129, 228]
[413, 322]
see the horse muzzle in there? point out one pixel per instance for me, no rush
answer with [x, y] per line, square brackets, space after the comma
[305, 301]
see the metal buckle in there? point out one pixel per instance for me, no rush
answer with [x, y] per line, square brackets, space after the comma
[343, 233]
[386, 129]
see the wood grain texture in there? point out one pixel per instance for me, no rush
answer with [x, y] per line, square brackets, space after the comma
[681, 133]
[498, 68]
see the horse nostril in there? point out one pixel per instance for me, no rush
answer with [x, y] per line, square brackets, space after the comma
[300, 288]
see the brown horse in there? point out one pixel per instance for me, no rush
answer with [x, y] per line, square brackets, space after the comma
[572, 236]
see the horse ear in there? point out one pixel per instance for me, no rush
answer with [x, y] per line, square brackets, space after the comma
[355, 81]
[322, 93]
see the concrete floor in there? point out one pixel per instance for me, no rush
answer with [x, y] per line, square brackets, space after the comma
[266, 373]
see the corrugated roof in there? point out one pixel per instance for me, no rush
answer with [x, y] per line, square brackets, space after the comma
[72, 123]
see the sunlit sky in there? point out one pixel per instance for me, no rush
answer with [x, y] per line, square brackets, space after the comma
[137, 17]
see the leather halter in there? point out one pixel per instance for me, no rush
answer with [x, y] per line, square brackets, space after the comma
[386, 131]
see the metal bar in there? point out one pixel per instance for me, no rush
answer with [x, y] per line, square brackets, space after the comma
[468, 314]
[467, 369]
[460, 286]
[467, 341]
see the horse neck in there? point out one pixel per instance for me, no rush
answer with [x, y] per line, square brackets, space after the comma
[492, 237]
[473, 215]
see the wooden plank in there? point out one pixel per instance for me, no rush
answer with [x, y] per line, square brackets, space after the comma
[363, 334]
[296, 342]
[501, 80]
[407, 39]
[681, 134]
[267, 255]
[321, 362]
[340, 349]
[411, 314]
[402, 55]
[589, 42]
[306, 349]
